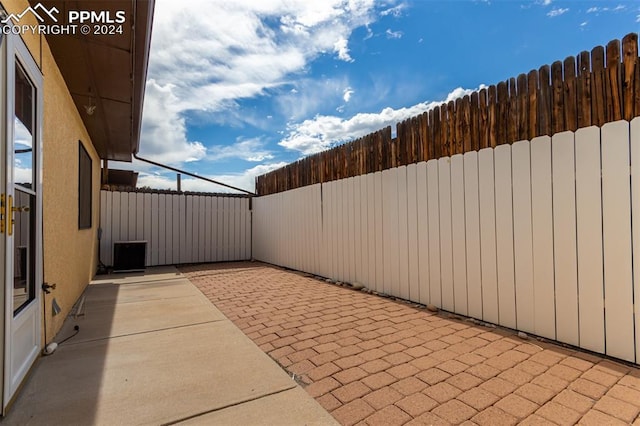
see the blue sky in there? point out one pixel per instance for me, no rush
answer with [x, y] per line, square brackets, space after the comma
[238, 88]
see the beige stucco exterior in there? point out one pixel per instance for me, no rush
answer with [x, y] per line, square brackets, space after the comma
[70, 254]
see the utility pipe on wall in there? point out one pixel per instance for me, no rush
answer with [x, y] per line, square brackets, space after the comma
[191, 174]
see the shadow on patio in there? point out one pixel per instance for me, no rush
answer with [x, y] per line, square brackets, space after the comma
[153, 350]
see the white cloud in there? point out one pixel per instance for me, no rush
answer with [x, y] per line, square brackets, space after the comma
[557, 12]
[22, 162]
[22, 174]
[596, 9]
[638, 18]
[346, 94]
[323, 131]
[244, 180]
[160, 181]
[393, 34]
[311, 95]
[228, 51]
[543, 3]
[342, 49]
[21, 135]
[164, 130]
[395, 11]
[248, 150]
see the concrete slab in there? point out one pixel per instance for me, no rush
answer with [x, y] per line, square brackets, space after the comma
[110, 293]
[154, 274]
[130, 305]
[294, 409]
[150, 378]
[122, 319]
[158, 352]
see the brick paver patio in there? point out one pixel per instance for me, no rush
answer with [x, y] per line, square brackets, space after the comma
[372, 360]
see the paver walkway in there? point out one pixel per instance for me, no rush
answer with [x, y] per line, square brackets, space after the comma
[372, 360]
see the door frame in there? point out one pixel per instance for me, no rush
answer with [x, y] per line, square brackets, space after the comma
[14, 50]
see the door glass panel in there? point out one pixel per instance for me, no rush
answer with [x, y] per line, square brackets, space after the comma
[24, 196]
[24, 159]
[24, 250]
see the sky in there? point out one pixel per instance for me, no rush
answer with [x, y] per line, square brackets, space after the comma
[238, 88]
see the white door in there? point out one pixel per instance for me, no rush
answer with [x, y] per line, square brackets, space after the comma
[22, 211]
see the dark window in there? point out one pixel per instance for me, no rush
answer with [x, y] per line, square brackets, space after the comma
[84, 189]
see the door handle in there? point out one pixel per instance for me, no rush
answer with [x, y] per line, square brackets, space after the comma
[3, 212]
[6, 214]
[10, 211]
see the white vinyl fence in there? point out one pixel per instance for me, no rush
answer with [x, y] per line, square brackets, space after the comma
[178, 228]
[535, 236]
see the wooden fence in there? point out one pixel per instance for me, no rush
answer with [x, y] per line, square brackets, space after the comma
[535, 235]
[590, 89]
[178, 228]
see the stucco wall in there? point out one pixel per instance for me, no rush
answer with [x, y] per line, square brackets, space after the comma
[70, 254]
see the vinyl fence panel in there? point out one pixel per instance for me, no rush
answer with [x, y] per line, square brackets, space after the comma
[458, 234]
[379, 261]
[446, 239]
[634, 138]
[435, 293]
[564, 237]
[486, 187]
[537, 235]
[504, 236]
[403, 234]
[472, 229]
[178, 228]
[616, 231]
[542, 221]
[423, 233]
[413, 251]
[523, 236]
[589, 239]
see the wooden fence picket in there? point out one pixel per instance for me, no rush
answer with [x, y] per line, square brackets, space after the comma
[557, 96]
[597, 86]
[613, 106]
[544, 101]
[592, 88]
[522, 105]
